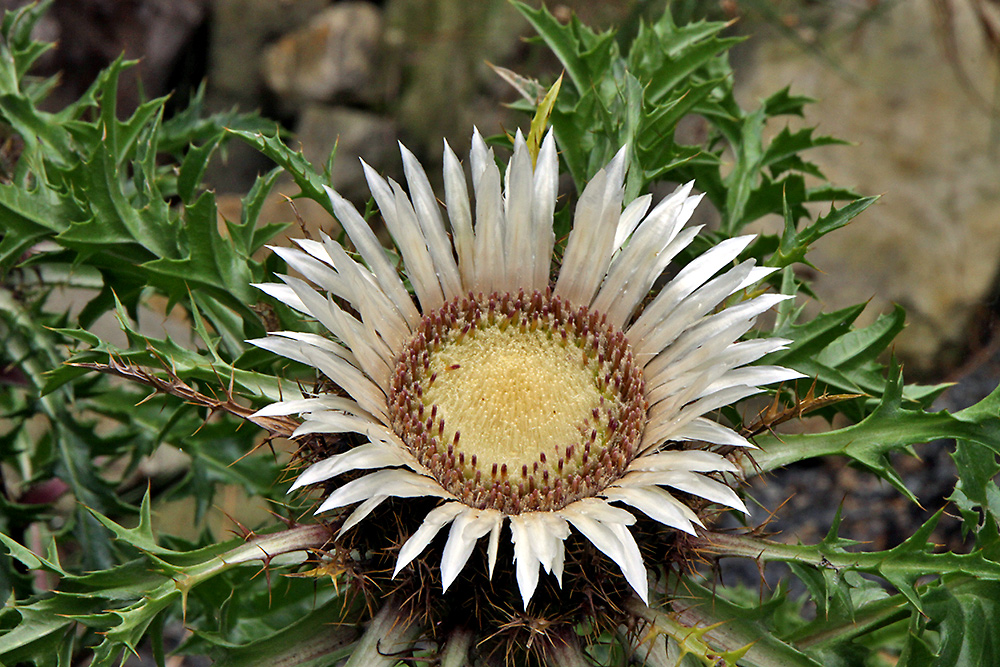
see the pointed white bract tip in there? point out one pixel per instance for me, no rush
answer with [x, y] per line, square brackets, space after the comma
[644, 594]
[686, 528]
[526, 594]
[370, 172]
[766, 271]
[740, 241]
[548, 142]
[263, 412]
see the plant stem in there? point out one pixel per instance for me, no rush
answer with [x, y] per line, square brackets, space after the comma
[816, 555]
[389, 637]
[262, 547]
[456, 648]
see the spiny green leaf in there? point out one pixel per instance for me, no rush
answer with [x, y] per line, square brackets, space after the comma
[783, 103]
[860, 346]
[741, 181]
[738, 627]
[976, 491]
[42, 626]
[965, 619]
[565, 41]
[131, 132]
[36, 127]
[108, 219]
[188, 365]
[130, 624]
[788, 144]
[248, 236]
[687, 57]
[17, 28]
[26, 217]
[193, 168]
[308, 641]
[141, 537]
[209, 261]
[902, 565]
[795, 244]
[309, 181]
[827, 349]
[888, 428]
[29, 559]
[120, 136]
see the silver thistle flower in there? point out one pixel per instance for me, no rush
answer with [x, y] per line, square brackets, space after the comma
[512, 399]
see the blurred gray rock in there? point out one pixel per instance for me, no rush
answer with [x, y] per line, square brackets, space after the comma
[443, 46]
[240, 31]
[333, 58]
[928, 144]
[355, 134]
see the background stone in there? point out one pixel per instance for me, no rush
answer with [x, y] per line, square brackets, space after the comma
[240, 29]
[332, 58]
[932, 243]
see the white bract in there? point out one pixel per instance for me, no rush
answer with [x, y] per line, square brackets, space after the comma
[512, 399]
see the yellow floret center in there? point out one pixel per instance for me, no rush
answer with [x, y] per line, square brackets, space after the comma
[512, 395]
[518, 403]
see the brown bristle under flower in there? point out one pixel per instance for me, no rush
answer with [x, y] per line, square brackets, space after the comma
[519, 402]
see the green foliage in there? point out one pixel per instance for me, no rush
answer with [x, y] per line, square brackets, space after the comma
[670, 73]
[116, 210]
[87, 208]
[121, 603]
[890, 427]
